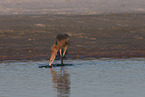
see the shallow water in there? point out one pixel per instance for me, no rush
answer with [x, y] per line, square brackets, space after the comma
[86, 78]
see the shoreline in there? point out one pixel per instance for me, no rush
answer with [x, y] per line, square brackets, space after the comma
[127, 56]
[74, 58]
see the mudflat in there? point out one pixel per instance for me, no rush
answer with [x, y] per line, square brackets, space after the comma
[110, 35]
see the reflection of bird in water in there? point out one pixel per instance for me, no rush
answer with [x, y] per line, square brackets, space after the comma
[61, 82]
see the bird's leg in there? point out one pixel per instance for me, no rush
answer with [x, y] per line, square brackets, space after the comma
[65, 48]
[60, 52]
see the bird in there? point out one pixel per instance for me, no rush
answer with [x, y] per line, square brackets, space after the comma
[62, 42]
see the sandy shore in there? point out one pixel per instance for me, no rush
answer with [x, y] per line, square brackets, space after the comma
[114, 35]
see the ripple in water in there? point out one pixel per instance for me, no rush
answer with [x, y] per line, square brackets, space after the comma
[94, 78]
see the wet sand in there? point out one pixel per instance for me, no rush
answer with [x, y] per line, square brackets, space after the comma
[112, 35]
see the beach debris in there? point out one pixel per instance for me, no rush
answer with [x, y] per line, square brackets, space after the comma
[40, 25]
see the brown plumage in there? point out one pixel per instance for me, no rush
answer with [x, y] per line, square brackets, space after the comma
[62, 41]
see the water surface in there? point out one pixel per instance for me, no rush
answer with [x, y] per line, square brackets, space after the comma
[70, 6]
[86, 78]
